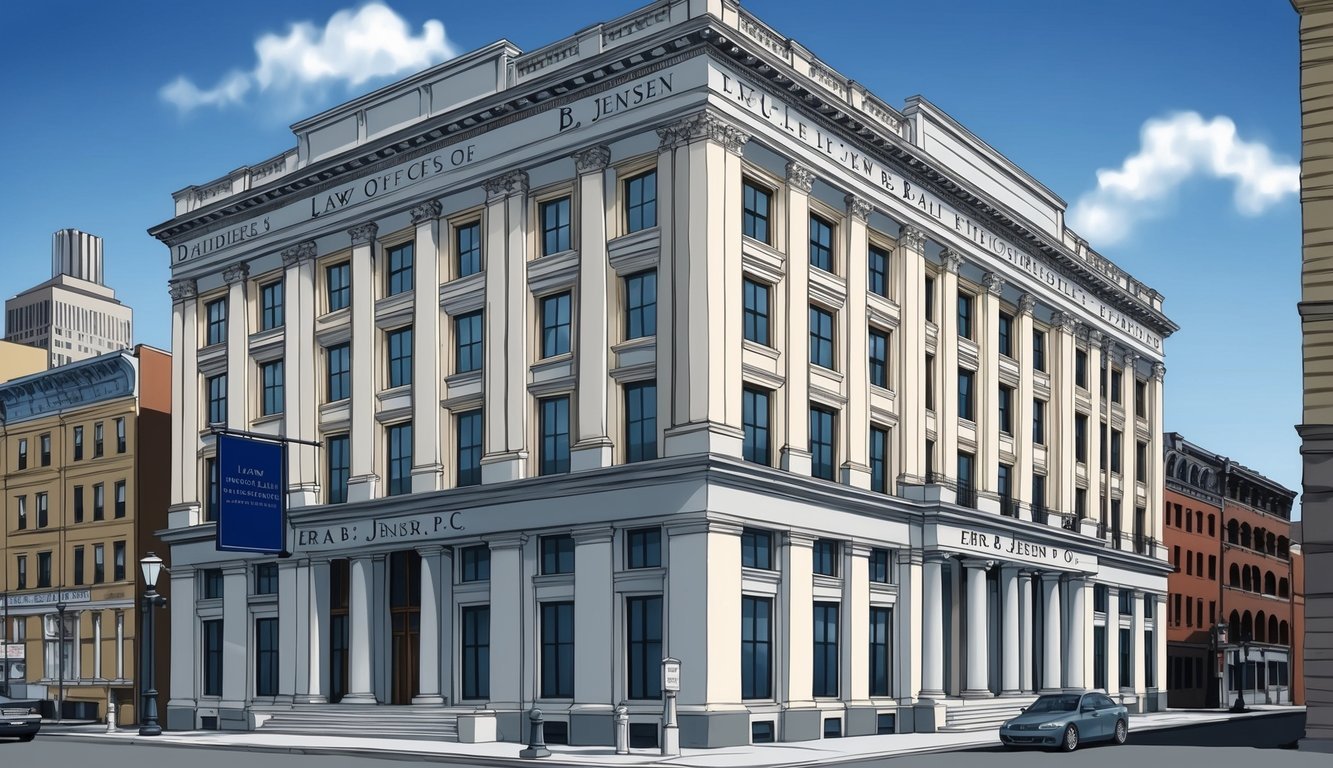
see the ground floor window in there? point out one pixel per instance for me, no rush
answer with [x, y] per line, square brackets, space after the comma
[476, 651]
[1099, 657]
[1149, 660]
[643, 636]
[557, 675]
[826, 649]
[881, 622]
[212, 657]
[266, 657]
[756, 644]
[1126, 658]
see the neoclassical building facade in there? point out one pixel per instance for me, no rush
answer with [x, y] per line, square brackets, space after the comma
[662, 340]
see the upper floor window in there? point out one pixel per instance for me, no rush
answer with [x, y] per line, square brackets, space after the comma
[97, 440]
[755, 444]
[338, 358]
[641, 421]
[643, 548]
[879, 459]
[1141, 398]
[400, 458]
[1117, 379]
[879, 358]
[1081, 368]
[756, 549]
[756, 312]
[878, 266]
[468, 342]
[469, 448]
[1081, 437]
[1006, 330]
[216, 311]
[400, 357]
[821, 337]
[555, 226]
[400, 260]
[555, 324]
[965, 301]
[757, 204]
[23, 453]
[641, 202]
[474, 563]
[881, 566]
[825, 557]
[641, 305]
[339, 281]
[217, 399]
[467, 244]
[78, 443]
[338, 449]
[557, 554]
[1039, 422]
[1039, 351]
[1006, 410]
[120, 435]
[965, 394]
[821, 243]
[46, 450]
[270, 301]
[272, 375]
[822, 463]
[930, 298]
[554, 456]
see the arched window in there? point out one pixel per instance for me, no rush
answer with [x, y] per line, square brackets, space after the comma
[1256, 578]
[1212, 525]
[1189, 521]
[1272, 629]
[1260, 628]
[1283, 547]
[1284, 633]
[1246, 627]
[1245, 581]
[1270, 543]
[1233, 578]
[1171, 466]
[1198, 520]
[1206, 480]
[1270, 583]
[1258, 539]
[1233, 532]
[1194, 476]
[1184, 471]
[1283, 587]
[1245, 535]
[1234, 621]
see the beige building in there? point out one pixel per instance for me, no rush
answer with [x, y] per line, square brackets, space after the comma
[20, 360]
[1316, 310]
[74, 315]
[81, 447]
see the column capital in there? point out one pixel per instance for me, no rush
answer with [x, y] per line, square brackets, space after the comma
[994, 283]
[1050, 577]
[1064, 322]
[703, 125]
[1026, 303]
[797, 539]
[236, 273]
[1158, 372]
[936, 556]
[431, 209]
[182, 288]
[592, 159]
[506, 185]
[953, 260]
[593, 535]
[1093, 336]
[859, 549]
[364, 233]
[1130, 359]
[859, 207]
[800, 177]
[910, 557]
[912, 237]
[977, 563]
[507, 541]
[428, 550]
[298, 254]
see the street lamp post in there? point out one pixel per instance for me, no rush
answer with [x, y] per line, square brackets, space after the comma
[152, 568]
[60, 659]
[1243, 662]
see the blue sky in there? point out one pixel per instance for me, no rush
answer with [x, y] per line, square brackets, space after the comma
[1064, 89]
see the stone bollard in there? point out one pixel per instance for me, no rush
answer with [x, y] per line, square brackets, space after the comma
[622, 729]
[110, 716]
[536, 737]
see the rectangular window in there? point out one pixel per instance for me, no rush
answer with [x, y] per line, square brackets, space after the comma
[212, 653]
[930, 383]
[1126, 658]
[78, 443]
[1039, 350]
[474, 563]
[78, 505]
[1117, 383]
[99, 504]
[966, 479]
[78, 566]
[557, 554]
[821, 337]
[21, 562]
[878, 260]
[641, 202]
[641, 421]
[1039, 422]
[643, 548]
[1141, 399]
[643, 646]
[879, 358]
[22, 512]
[216, 312]
[965, 315]
[881, 564]
[339, 360]
[467, 244]
[930, 298]
[1081, 502]
[826, 649]
[120, 499]
[23, 453]
[266, 578]
[825, 557]
[1080, 438]
[339, 280]
[270, 300]
[43, 518]
[756, 647]
[1115, 450]
[1006, 410]
[1004, 487]
[1006, 334]
[266, 657]
[754, 422]
[555, 226]
[97, 440]
[339, 450]
[1038, 497]
[822, 460]
[476, 651]
[1099, 656]
[641, 305]
[469, 448]
[46, 450]
[756, 549]
[400, 357]
[468, 347]
[557, 662]
[1141, 460]
[400, 260]
[821, 243]
[217, 399]
[1081, 368]
[44, 569]
[756, 312]
[120, 435]
[400, 458]
[118, 561]
[272, 375]
[555, 324]
[555, 435]
[755, 213]
[881, 623]
[965, 409]
[212, 584]
[879, 459]
[211, 473]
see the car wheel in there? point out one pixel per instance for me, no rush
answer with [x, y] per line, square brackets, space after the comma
[1070, 742]
[1121, 732]
[27, 737]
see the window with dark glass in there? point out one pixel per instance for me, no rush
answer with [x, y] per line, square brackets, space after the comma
[557, 554]
[930, 298]
[338, 449]
[474, 563]
[821, 243]
[1117, 383]
[555, 435]
[821, 443]
[78, 566]
[211, 472]
[120, 435]
[44, 569]
[120, 499]
[825, 557]
[216, 312]
[1081, 368]
[468, 347]
[1039, 421]
[1141, 463]
[400, 357]
[1126, 658]
[118, 560]
[1006, 410]
[880, 566]
[1005, 334]
[266, 578]
[212, 656]
[23, 453]
[78, 443]
[46, 450]
[557, 660]
[1141, 399]
[755, 444]
[821, 337]
[467, 244]
[469, 448]
[643, 646]
[1081, 502]
[879, 358]
[78, 505]
[878, 260]
[756, 549]
[641, 304]
[965, 301]
[641, 421]
[555, 226]
[266, 657]
[1004, 487]
[930, 383]
[272, 375]
[99, 502]
[643, 548]
[756, 202]
[1038, 492]
[400, 260]
[476, 662]
[1039, 350]
[217, 399]
[1115, 450]
[879, 459]
[339, 359]
[966, 471]
[21, 563]
[43, 509]
[1099, 656]
[756, 647]
[965, 395]
[400, 458]
[339, 280]
[756, 312]
[270, 300]
[211, 584]
[1080, 437]
[825, 649]
[641, 202]
[881, 623]
[555, 324]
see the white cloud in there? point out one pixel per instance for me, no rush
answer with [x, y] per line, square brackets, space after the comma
[355, 46]
[1173, 149]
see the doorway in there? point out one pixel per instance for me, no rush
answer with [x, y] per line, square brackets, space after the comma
[405, 618]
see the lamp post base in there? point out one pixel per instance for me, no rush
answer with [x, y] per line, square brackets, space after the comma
[150, 729]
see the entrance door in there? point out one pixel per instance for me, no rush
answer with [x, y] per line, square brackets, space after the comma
[338, 630]
[405, 615]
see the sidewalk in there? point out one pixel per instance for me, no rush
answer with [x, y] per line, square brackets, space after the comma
[788, 755]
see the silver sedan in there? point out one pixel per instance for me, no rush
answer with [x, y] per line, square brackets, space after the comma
[1065, 720]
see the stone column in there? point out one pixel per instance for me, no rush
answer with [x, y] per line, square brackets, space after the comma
[186, 419]
[932, 628]
[1136, 634]
[1061, 454]
[97, 644]
[978, 624]
[185, 650]
[360, 650]
[910, 371]
[504, 373]
[1159, 650]
[1155, 461]
[427, 463]
[363, 482]
[795, 396]
[238, 346]
[508, 665]
[946, 358]
[317, 619]
[1112, 643]
[1052, 648]
[1010, 645]
[855, 662]
[1098, 455]
[856, 414]
[988, 389]
[907, 619]
[1129, 443]
[290, 631]
[1077, 641]
[797, 593]
[236, 633]
[448, 651]
[593, 446]
[301, 393]
[590, 717]
[1022, 409]
[1026, 597]
[431, 649]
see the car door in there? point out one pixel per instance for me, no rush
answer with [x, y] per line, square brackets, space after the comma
[1092, 718]
[1107, 710]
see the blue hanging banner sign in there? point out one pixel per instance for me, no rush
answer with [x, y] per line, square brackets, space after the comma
[252, 498]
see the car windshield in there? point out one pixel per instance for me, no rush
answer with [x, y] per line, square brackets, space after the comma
[1057, 703]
